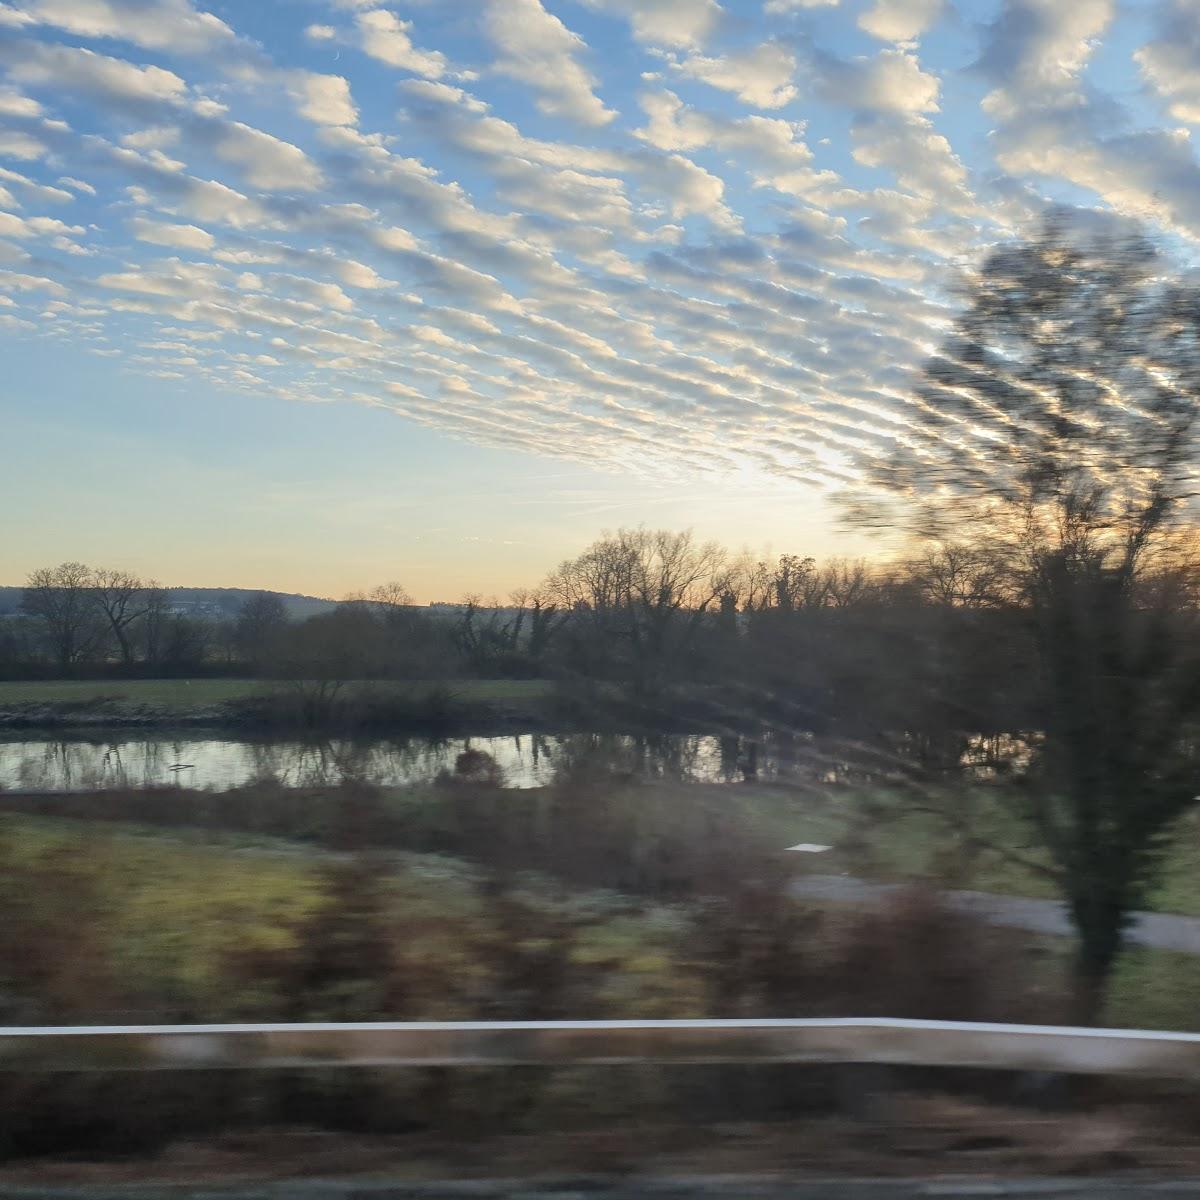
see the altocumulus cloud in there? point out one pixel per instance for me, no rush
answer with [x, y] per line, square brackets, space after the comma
[674, 235]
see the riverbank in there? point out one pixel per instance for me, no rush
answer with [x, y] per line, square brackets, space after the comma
[236, 705]
[479, 707]
[385, 707]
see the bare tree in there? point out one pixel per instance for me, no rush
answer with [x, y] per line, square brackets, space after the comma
[747, 583]
[187, 641]
[399, 623]
[316, 658]
[846, 583]
[121, 597]
[260, 626]
[1058, 425]
[649, 590]
[959, 574]
[390, 600]
[153, 626]
[545, 619]
[790, 584]
[798, 584]
[60, 599]
[493, 638]
[476, 633]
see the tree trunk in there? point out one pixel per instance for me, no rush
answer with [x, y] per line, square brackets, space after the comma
[126, 646]
[1088, 993]
[1101, 922]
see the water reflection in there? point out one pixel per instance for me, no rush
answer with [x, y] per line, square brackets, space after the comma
[525, 760]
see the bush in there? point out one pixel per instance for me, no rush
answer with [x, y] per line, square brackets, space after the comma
[915, 957]
[477, 767]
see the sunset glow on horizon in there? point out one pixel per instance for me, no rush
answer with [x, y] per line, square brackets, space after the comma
[308, 295]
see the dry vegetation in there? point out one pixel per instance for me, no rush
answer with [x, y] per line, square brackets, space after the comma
[100, 922]
[594, 897]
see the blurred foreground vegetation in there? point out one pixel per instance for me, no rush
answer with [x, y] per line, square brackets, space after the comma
[594, 897]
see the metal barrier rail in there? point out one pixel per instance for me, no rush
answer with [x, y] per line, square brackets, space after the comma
[560, 1043]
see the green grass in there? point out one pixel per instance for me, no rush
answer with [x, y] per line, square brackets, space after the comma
[170, 918]
[182, 694]
[165, 913]
[881, 835]
[878, 835]
[1151, 988]
[778, 817]
[174, 693]
[1155, 989]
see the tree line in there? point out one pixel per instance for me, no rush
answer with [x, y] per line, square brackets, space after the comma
[74, 619]
[652, 610]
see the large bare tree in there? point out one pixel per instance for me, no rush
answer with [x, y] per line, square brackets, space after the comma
[152, 627]
[954, 574]
[259, 629]
[123, 600]
[1056, 431]
[61, 600]
[644, 592]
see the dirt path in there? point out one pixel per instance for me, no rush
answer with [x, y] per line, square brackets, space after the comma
[1164, 931]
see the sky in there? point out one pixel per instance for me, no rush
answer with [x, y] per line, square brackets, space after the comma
[314, 294]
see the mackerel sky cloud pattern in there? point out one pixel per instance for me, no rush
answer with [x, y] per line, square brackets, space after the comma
[675, 236]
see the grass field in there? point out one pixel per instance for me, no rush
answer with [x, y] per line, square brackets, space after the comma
[183, 694]
[190, 924]
[880, 836]
[192, 927]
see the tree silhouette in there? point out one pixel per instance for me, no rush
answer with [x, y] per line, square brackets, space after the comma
[1055, 429]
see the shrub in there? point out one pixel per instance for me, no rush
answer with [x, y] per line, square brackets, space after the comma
[915, 957]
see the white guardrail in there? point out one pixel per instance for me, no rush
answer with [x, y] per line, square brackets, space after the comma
[561, 1043]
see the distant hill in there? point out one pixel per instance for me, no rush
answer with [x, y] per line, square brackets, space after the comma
[218, 603]
[227, 601]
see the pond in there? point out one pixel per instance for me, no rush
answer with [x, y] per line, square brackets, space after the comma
[525, 760]
[122, 760]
